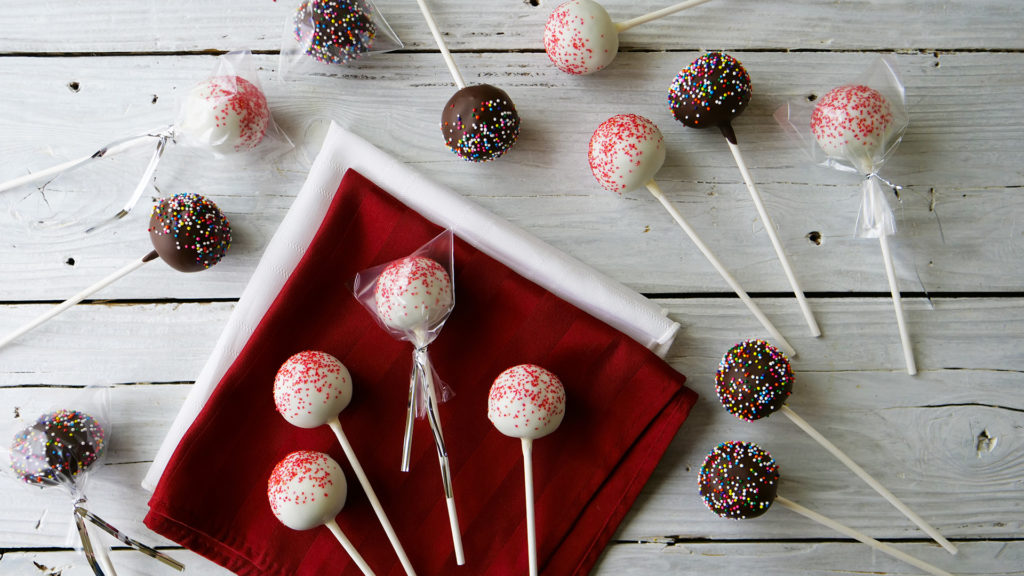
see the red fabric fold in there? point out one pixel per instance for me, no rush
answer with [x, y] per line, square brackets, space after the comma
[624, 405]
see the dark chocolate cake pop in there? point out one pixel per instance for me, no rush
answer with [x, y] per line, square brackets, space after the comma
[753, 380]
[739, 480]
[480, 123]
[711, 91]
[342, 30]
[189, 232]
[57, 448]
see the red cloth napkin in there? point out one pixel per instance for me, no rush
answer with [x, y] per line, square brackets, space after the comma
[624, 406]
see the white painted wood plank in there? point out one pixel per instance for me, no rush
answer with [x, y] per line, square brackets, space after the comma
[148, 26]
[965, 150]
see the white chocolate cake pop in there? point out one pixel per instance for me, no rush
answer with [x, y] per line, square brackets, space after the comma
[226, 113]
[626, 151]
[852, 123]
[413, 293]
[526, 401]
[311, 388]
[307, 489]
[580, 37]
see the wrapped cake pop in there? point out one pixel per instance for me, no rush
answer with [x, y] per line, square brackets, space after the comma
[740, 481]
[479, 122]
[580, 37]
[855, 128]
[754, 380]
[60, 448]
[187, 231]
[225, 114]
[320, 35]
[411, 298]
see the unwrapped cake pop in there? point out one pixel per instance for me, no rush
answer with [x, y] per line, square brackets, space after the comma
[411, 298]
[527, 402]
[479, 122]
[187, 231]
[226, 113]
[739, 480]
[58, 450]
[310, 389]
[580, 37]
[306, 490]
[711, 92]
[754, 380]
[625, 153]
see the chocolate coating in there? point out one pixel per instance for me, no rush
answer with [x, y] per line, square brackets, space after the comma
[189, 232]
[57, 448]
[753, 380]
[480, 123]
[739, 480]
[341, 29]
[711, 91]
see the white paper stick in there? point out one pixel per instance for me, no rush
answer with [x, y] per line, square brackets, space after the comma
[102, 551]
[627, 24]
[456, 75]
[78, 298]
[897, 303]
[770, 228]
[335, 425]
[347, 545]
[109, 150]
[531, 518]
[843, 529]
[776, 335]
[863, 475]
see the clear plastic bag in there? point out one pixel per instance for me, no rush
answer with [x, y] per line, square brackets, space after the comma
[856, 128]
[320, 35]
[60, 448]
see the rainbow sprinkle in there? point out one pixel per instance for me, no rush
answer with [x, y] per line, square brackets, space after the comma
[712, 81]
[739, 480]
[753, 380]
[196, 224]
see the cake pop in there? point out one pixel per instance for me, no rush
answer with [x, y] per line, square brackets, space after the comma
[226, 113]
[711, 92]
[855, 123]
[527, 402]
[57, 448]
[310, 389]
[739, 480]
[188, 232]
[754, 380]
[480, 122]
[307, 489]
[334, 31]
[625, 153]
[580, 37]
[413, 293]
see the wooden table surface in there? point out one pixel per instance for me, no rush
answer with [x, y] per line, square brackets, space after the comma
[949, 442]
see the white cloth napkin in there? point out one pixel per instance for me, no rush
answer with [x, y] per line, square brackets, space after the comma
[559, 273]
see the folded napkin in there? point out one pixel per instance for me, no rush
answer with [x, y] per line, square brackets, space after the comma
[559, 273]
[624, 406]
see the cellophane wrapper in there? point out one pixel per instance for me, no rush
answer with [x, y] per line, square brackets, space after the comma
[421, 333]
[312, 46]
[231, 96]
[875, 217]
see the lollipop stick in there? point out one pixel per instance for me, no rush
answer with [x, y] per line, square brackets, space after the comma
[78, 297]
[456, 75]
[531, 520]
[347, 545]
[103, 556]
[875, 484]
[627, 24]
[776, 335]
[897, 303]
[115, 147]
[880, 546]
[442, 455]
[770, 228]
[371, 495]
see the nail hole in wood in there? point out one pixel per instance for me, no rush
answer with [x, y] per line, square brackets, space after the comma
[70, 261]
[74, 86]
[812, 97]
[532, 2]
[815, 238]
[155, 98]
